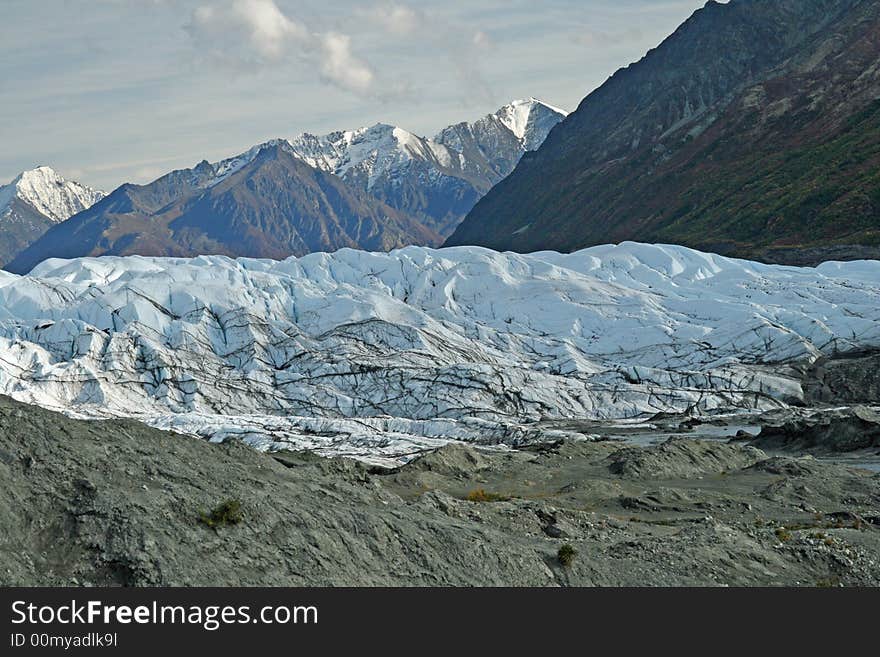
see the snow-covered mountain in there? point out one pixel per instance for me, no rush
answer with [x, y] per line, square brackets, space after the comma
[271, 206]
[531, 120]
[494, 144]
[368, 154]
[47, 192]
[33, 202]
[383, 151]
[436, 180]
[380, 355]
[375, 188]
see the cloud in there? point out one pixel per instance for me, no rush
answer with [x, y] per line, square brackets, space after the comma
[396, 19]
[341, 67]
[463, 46]
[481, 40]
[259, 25]
[257, 32]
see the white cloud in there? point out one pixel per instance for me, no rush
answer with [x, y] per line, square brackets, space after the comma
[341, 67]
[481, 40]
[258, 32]
[461, 44]
[397, 19]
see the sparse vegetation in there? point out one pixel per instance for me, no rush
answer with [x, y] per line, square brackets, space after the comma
[783, 535]
[566, 555]
[480, 495]
[829, 583]
[227, 513]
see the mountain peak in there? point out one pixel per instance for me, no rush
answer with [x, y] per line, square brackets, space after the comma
[32, 178]
[391, 187]
[522, 124]
[41, 171]
[532, 103]
[522, 116]
[367, 153]
[379, 128]
[47, 192]
[33, 202]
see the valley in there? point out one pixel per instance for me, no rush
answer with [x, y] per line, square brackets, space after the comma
[637, 344]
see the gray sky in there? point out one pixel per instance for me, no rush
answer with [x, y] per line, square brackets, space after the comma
[108, 91]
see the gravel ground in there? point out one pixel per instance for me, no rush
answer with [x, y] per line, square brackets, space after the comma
[118, 503]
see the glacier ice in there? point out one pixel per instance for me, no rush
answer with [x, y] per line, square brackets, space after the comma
[380, 355]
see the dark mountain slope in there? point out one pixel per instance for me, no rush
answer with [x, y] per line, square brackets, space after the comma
[753, 130]
[276, 206]
[20, 226]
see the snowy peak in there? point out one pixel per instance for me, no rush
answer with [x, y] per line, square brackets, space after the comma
[387, 186]
[381, 149]
[527, 122]
[530, 120]
[367, 154]
[33, 203]
[47, 192]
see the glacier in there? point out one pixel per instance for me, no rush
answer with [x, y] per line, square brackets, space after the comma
[380, 356]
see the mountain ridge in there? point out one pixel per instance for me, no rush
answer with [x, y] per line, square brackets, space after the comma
[245, 212]
[434, 179]
[33, 202]
[719, 152]
[392, 188]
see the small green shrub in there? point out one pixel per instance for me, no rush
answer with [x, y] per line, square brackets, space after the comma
[566, 555]
[226, 513]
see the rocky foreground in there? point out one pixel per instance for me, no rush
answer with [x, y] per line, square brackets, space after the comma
[117, 502]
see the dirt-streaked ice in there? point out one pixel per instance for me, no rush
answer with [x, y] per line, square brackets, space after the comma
[380, 355]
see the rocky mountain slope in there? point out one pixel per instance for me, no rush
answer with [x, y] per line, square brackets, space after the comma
[381, 355]
[375, 188]
[34, 202]
[273, 206]
[752, 130]
[117, 503]
[436, 180]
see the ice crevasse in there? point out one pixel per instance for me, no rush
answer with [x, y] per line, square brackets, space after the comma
[381, 355]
